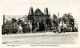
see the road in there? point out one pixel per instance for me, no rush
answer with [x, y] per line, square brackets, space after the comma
[40, 38]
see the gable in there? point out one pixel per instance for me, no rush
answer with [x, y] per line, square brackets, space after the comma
[38, 12]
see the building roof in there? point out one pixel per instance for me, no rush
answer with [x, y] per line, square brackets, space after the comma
[38, 12]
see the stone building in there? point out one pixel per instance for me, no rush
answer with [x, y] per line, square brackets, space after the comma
[39, 16]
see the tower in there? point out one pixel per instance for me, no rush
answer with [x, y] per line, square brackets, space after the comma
[31, 12]
[46, 11]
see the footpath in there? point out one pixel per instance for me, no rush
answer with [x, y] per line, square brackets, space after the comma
[40, 34]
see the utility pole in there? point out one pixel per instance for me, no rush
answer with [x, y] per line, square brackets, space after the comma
[3, 19]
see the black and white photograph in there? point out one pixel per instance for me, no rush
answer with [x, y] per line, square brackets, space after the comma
[40, 21]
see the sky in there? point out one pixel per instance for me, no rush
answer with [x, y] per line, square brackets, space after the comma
[19, 8]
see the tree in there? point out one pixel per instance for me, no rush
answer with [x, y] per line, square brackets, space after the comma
[55, 20]
[68, 19]
[19, 21]
[14, 20]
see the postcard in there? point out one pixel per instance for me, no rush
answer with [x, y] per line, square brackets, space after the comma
[39, 23]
